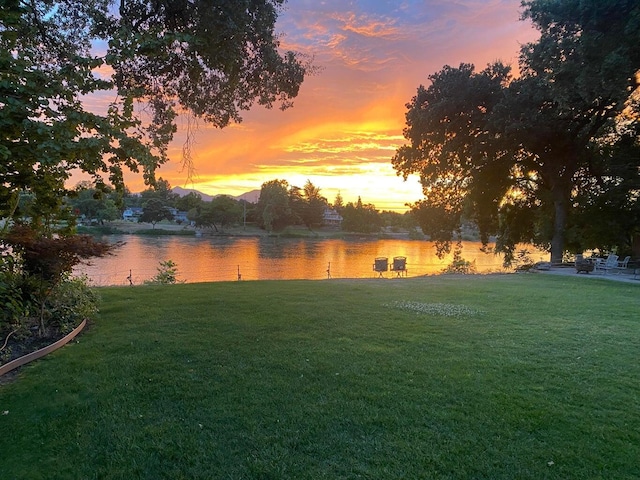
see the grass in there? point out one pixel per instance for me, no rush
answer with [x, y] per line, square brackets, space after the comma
[487, 377]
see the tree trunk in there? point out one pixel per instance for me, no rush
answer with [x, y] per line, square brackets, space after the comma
[560, 205]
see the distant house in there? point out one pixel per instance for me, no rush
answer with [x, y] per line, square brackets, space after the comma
[331, 218]
[132, 214]
[179, 216]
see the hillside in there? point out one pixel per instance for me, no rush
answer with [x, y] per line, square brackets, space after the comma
[251, 196]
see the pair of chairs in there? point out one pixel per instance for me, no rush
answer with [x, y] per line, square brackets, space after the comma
[399, 266]
[611, 263]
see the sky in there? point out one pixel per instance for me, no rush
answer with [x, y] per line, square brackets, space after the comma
[347, 120]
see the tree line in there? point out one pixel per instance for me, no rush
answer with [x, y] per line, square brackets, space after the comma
[280, 205]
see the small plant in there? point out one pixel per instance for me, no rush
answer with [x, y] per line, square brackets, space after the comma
[459, 264]
[167, 274]
[523, 262]
[12, 302]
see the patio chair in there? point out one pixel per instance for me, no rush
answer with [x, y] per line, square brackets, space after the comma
[605, 265]
[625, 262]
[399, 266]
[381, 265]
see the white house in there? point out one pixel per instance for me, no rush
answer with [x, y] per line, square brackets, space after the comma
[331, 218]
[179, 216]
[132, 214]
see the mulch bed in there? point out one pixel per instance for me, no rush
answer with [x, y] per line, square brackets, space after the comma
[19, 347]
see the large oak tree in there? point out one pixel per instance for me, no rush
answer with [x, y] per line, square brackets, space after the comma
[529, 159]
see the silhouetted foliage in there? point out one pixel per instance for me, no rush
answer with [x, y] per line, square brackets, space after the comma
[220, 211]
[360, 218]
[49, 258]
[210, 60]
[273, 208]
[154, 211]
[524, 158]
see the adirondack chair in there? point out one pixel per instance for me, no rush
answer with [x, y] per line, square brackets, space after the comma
[625, 262]
[605, 265]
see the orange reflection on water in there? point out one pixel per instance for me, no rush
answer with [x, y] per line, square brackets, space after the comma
[209, 259]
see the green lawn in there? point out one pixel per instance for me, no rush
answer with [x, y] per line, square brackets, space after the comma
[489, 377]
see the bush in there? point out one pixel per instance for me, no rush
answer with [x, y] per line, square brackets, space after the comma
[459, 264]
[13, 311]
[167, 274]
[26, 324]
[12, 305]
[71, 302]
[44, 262]
[523, 261]
[415, 234]
[40, 300]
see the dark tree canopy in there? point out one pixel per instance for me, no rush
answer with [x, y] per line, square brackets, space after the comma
[525, 158]
[214, 58]
[312, 214]
[221, 210]
[208, 58]
[361, 218]
[281, 205]
[273, 209]
[154, 211]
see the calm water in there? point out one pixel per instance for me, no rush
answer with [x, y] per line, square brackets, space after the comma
[224, 258]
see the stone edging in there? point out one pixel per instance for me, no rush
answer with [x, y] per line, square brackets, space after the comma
[18, 362]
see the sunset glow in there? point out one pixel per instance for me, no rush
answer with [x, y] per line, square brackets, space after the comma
[348, 118]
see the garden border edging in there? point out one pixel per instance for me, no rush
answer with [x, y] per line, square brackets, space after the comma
[18, 362]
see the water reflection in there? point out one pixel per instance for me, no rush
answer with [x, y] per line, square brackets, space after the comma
[225, 258]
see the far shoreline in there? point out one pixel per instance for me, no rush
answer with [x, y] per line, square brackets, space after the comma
[252, 231]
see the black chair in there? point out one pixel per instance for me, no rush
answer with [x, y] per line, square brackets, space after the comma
[381, 265]
[399, 266]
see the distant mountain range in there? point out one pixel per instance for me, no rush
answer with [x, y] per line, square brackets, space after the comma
[251, 197]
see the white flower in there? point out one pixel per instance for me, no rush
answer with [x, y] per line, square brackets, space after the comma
[445, 309]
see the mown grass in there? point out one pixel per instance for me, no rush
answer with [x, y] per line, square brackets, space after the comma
[488, 377]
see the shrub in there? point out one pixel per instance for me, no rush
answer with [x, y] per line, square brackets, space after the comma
[459, 264]
[71, 301]
[167, 274]
[12, 306]
[523, 262]
[44, 262]
[415, 234]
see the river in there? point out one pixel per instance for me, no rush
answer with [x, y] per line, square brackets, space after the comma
[213, 259]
